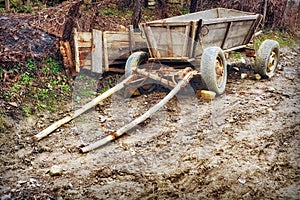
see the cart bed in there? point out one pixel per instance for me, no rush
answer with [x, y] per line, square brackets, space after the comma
[183, 38]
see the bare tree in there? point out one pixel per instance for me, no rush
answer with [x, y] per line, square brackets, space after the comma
[163, 8]
[193, 6]
[7, 4]
[137, 13]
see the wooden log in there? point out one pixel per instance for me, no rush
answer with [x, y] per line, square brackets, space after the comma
[78, 112]
[142, 118]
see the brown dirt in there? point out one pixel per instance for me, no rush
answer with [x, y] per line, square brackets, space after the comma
[242, 145]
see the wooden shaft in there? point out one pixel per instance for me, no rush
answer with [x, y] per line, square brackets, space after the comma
[78, 112]
[142, 118]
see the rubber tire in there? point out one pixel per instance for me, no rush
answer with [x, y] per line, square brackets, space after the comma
[208, 69]
[262, 58]
[134, 60]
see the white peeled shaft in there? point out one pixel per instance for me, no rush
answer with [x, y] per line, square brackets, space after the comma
[142, 118]
[83, 109]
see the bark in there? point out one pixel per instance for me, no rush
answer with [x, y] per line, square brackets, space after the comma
[163, 8]
[70, 22]
[193, 6]
[7, 4]
[137, 14]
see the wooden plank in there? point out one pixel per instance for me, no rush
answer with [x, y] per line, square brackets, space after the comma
[84, 36]
[84, 44]
[131, 39]
[116, 36]
[229, 19]
[105, 53]
[86, 62]
[192, 36]
[186, 40]
[169, 42]
[76, 51]
[226, 34]
[97, 51]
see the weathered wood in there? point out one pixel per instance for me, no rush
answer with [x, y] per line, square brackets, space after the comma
[80, 111]
[76, 51]
[66, 53]
[131, 39]
[7, 5]
[155, 77]
[142, 118]
[105, 53]
[97, 51]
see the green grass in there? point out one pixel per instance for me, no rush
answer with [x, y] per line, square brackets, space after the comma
[284, 39]
[39, 86]
[109, 11]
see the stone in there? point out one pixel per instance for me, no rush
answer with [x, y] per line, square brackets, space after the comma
[244, 75]
[205, 94]
[257, 76]
[56, 170]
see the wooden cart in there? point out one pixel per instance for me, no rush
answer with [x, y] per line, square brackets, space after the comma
[181, 49]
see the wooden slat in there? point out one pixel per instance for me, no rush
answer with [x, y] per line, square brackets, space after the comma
[84, 39]
[186, 40]
[86, 62]
[105, 53]
[97, 51]
[84, 36]
[131, 39]
[226, 34]
[76, 51]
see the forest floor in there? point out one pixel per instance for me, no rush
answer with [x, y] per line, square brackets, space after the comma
[245, 144]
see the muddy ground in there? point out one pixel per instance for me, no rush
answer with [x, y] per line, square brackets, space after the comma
[242, 145]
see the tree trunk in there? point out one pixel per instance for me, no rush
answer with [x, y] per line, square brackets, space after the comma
[137, 14]
[193, 6]
[7, 4]
[70, 22]
[163, 8]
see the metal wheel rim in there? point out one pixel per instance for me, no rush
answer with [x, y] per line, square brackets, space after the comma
[272, 62]
[219, 68]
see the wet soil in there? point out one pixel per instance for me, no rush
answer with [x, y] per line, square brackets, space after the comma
[242, 145]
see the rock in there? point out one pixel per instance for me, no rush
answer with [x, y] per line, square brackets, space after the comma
[242, 181]
[205, 94]
[244, 75]
[14, 104]
[56, 170]
[271, 89]
[257, 76]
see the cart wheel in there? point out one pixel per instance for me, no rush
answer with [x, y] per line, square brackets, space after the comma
[213, 69]
[134, 60]
[267, 58]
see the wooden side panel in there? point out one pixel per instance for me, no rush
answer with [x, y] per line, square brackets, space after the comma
[97, 51]
[237, 33]
[213, 35]
[119, 45]
[170, 40]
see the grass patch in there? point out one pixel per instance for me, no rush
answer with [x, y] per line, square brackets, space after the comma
[37, 87]
[284, 39]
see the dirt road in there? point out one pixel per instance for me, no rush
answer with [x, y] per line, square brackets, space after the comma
[242, 145]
